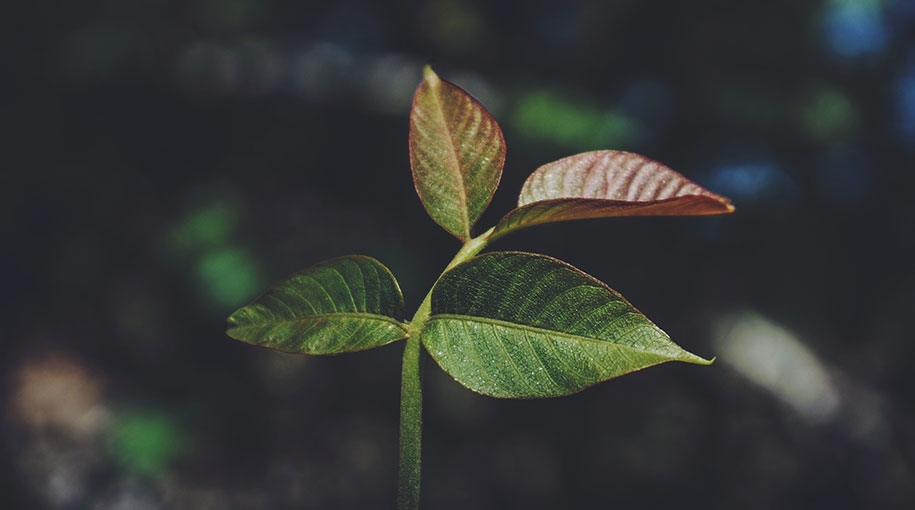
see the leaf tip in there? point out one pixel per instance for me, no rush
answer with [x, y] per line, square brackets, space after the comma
[236, 316]
[698, 360]
[429, 76]
[235, 324]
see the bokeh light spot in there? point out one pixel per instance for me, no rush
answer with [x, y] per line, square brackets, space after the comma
[751, 182]
[828, 114]
[228, 277]
[855, 28]
[207, 227]
[57, 392]
[905, 101]
[545, 116]
[775, 359]
[146, 442]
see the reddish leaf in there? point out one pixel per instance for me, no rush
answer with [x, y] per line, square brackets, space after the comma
[604, 184]
[456, 152]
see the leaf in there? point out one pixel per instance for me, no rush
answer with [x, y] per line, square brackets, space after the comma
[603, 184]
[512, 324]
[456, 152]
[350, 303]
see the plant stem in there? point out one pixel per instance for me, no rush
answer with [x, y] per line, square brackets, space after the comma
[411, 423]
[411, 391]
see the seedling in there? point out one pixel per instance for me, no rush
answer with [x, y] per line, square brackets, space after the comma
[504, 324]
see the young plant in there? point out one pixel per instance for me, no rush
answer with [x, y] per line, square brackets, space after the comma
[504, 324]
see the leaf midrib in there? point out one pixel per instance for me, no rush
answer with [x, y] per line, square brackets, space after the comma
[520, 217]
[318, 316]
[534, 329]
[465, 214]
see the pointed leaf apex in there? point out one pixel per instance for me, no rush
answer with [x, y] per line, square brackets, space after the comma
[689, 357]
[430, 77]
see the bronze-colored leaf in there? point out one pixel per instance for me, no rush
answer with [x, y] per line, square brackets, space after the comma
[456, 152]
[603, 184]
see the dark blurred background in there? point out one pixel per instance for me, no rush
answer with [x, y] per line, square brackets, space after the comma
[163, 161]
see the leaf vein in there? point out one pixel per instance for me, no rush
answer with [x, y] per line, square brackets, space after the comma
[556, 334]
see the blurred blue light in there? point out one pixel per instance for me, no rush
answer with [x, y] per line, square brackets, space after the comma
[901, 11]
[751, 182]
[855, 28]
[905, 101]
[351, 25]
[844, 176]
[745, 180]
[649, 101]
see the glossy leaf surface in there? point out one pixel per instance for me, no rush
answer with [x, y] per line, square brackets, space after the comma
[511, 324]
[603, 184]
[345, 304]
[456, 152]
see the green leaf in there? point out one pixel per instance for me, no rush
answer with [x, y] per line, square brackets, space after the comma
[456, 152]
[603, 184]
[350, 303]
[511, 324]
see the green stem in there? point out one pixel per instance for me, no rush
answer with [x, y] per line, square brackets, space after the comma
[411, 424]
[411, 391]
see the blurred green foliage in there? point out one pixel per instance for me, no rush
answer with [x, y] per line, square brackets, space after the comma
[224, 271]
[828, 115]
[548, 116]
[148, 441]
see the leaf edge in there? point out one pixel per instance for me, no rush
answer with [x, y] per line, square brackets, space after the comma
[692, 358]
